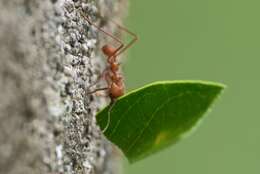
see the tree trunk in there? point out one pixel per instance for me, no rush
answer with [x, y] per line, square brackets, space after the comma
[49, 57]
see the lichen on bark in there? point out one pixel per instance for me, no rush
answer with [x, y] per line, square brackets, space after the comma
[49, 58]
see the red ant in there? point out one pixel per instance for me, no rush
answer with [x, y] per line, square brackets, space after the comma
[111, 73]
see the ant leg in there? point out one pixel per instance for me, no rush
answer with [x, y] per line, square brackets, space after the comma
[135, 38]
[99, 77]
[107, 77]
[123, 48]
[121, 45]
[99, 89]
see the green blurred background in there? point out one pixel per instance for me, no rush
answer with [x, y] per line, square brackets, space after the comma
[215, 40]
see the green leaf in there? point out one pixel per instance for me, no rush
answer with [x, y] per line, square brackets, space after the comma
[155, 116]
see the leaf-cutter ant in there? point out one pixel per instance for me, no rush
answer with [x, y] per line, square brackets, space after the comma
[114, 80]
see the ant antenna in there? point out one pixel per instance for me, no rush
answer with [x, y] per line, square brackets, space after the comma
[135, 38]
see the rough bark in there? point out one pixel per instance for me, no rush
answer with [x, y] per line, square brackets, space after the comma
[49, 56]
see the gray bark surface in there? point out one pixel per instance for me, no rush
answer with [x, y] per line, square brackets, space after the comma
[49, 56]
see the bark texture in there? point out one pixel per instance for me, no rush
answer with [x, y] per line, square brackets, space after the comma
[49, 56]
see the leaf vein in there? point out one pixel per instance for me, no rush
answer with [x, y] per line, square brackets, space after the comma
[129, 108]
[152, 117]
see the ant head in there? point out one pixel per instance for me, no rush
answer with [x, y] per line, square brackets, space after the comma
[108, 50]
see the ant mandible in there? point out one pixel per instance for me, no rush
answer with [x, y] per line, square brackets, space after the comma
[114, 80]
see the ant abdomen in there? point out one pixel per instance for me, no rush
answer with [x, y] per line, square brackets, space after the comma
[116, 90]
